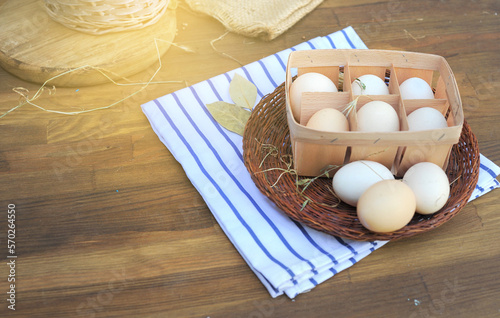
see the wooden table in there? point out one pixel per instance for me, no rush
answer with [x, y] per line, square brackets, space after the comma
[108, 225]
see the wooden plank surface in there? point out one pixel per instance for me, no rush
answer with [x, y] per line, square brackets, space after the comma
[110, 226]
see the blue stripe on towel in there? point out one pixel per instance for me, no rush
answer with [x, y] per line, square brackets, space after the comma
[267, 73]
[249, 77]
[311, 45]
[488, 170]
[213, 89]
[341, 241]
[228, 77]
[348, 39]
[479, 188]
[280, 61]
[310, 239]
[331, 42]
[219, 128]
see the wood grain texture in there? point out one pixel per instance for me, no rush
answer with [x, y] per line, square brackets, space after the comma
[110, 226]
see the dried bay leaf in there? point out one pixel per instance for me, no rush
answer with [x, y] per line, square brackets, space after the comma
[229, 116]
[234, 116]
[242, 91]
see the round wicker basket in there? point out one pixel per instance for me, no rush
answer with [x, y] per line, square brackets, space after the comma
[105, 16]
[267, 154]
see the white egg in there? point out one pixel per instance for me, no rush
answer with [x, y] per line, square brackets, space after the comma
[416, 88]
[369, 84]
[377, 116]
[426, 118]
[350, 181]
[430, 186]
[308, 82]
[328, 119]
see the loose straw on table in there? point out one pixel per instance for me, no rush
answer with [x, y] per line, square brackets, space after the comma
[23, 92]
[26, 100]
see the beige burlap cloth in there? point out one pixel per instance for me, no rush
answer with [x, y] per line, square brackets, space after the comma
[256, 18]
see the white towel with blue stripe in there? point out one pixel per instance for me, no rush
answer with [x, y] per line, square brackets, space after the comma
[286, 256]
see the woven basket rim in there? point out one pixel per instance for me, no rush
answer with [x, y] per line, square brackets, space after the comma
[101, 17]
[267, 128]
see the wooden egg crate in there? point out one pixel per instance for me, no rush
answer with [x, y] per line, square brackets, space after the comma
[314, 150]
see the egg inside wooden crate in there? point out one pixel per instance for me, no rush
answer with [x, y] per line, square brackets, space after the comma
[313, 150]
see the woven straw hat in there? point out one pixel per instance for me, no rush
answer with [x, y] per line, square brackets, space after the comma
[105, 16]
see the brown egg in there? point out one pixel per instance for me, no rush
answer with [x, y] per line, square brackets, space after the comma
[328, 119]
[386, 206]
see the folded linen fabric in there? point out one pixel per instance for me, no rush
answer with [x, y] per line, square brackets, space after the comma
[256, 18]
[286, 256]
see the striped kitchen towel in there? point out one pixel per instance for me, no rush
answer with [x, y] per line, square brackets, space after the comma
[286, 256]
[487, 181]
